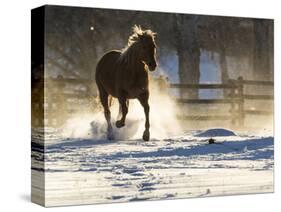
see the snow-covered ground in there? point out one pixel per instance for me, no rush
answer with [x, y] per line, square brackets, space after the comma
[83, 171]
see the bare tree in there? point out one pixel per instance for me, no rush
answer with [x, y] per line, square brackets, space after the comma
[188, 51]
[263, 49]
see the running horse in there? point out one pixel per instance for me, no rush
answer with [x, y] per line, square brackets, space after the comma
[123, 74]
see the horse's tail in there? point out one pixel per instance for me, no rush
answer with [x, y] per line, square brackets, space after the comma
[97, 102]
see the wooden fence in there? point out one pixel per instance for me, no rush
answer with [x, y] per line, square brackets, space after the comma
[236, 99]
[64, 97]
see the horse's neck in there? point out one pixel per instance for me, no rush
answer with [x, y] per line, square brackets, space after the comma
[134, 65]
[132, 62]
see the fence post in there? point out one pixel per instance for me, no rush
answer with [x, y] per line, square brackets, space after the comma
[241, 114]
[232, 104]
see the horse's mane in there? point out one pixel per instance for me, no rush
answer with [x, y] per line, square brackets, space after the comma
[130, 52]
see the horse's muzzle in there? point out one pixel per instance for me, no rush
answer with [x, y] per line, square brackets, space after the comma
[152, 66]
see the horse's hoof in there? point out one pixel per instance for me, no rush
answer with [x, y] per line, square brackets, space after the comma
[146, 136]
[120, 124]
[110, 136]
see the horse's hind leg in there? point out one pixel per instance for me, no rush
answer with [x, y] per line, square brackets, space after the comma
[104, 102]
[124, 109]
[143, 99]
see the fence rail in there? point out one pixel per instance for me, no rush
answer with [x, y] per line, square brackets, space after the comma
[205, 118]
[257, 82]
[207, 101]
[203, 86]
[258, 97]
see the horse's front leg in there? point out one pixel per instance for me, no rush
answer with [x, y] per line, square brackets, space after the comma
[144, 102]
[124, 109]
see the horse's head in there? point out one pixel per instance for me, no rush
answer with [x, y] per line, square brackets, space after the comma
[149, 49]
[146, 40]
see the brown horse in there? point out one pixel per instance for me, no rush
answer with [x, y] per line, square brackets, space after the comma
[123, 74]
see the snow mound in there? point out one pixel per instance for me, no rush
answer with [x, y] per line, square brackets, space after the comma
[215, 133]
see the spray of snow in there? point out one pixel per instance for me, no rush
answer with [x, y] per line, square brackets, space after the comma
[163, 121]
